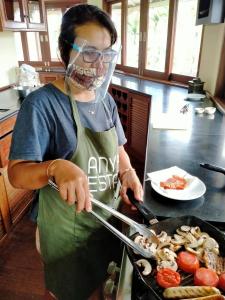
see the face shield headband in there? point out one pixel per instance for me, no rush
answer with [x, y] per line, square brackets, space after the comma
[91, 69]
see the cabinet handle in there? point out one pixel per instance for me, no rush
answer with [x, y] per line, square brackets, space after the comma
[41, 38]
[46, 38]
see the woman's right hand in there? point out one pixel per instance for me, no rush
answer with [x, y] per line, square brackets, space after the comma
[72, 183]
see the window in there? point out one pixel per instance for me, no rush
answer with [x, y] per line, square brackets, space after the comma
[158, 14]
[41, 48]
[187, 39]
[54, 17]
[133, 31]
[34, 47]
[162, 34]
[116, 16]
[19, 46]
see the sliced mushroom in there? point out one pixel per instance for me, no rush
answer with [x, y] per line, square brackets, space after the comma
[179, 240]
[165, 254]
[143, 263]
[162, 236]
[196, 231]
[170, 264]
[210, 244]
[185, 228]
[138, 239]
[182, 233]
[196, 243]
[190, 238]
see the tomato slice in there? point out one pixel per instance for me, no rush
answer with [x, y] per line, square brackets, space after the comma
[168, 278]
[187, 262]
[222, 282]
[204, 276]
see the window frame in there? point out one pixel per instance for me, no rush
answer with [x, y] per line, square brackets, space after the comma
[167, 75]
[44, 37]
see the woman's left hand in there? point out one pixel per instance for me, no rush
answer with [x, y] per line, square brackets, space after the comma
[130, 180]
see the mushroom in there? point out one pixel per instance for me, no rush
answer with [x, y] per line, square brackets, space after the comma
[146, 265]
[138, 239]
[211, 244]
[170, 264]
[196, 231]
[185, 228]
[162, 236]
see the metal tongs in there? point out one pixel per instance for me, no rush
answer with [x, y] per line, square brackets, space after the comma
[139, 228]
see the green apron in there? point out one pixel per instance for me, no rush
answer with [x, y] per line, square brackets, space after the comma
[76, 249]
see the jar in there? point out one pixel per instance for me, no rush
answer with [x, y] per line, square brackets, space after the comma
[196, 86]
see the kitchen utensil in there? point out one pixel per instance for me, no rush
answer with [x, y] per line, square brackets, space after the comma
[195, 86]
[213, 168]
[140, 228]
[169, 225]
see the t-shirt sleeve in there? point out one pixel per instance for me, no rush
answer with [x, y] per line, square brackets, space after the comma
[31, 133]
[117, 123]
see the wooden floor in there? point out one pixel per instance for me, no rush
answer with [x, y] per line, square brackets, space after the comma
[21, 270]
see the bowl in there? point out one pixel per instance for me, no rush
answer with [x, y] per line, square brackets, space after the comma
[210, 110]
[199, 110]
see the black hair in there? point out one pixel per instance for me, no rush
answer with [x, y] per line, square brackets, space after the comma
[79, 15]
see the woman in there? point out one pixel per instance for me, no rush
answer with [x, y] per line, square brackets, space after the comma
[70, 131]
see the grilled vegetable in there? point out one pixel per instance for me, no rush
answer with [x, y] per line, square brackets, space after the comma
[167, 278]
[188, 262]
[204, 276]
[183, 292]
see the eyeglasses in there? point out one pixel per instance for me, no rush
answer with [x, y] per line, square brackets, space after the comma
[91, 55]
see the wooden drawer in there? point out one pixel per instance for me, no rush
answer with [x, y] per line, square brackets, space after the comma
[5, 143]
[7, 125]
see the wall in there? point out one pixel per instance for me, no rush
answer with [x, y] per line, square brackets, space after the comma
[95, 2]
[213, 37]
[8, 60]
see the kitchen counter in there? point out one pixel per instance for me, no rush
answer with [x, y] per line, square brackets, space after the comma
[203, 141]
[9, 103]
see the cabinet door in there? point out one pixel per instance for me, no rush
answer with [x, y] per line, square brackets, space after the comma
[5, 218]
[5, 143]
[22, 15]
[18, 199]
[139, 109]
[12, 14]
[35, 14]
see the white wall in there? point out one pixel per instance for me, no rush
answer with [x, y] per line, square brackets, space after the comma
[210, 58]
[95, 2]
[8, 59]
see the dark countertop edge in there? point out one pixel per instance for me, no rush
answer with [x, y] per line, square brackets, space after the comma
[131, 90]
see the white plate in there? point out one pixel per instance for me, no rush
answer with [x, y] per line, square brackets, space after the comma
[192, 96]
[195, 187]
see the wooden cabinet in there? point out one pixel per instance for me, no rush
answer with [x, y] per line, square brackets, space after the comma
[133, 109]
[46, 77]
[22, 15]
[13, 202]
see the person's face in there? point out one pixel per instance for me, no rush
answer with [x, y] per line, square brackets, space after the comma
[98, 38]
[89, 64]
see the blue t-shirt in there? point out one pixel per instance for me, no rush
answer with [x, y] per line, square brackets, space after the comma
[45, 128]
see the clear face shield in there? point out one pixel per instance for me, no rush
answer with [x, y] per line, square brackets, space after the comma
[91, 69]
